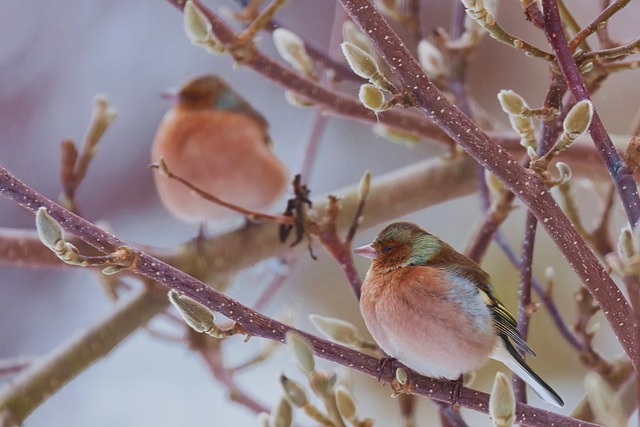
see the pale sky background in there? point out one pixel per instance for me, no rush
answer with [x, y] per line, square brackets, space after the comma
[56, 55]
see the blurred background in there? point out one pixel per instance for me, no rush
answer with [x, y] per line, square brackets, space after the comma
[57, 55]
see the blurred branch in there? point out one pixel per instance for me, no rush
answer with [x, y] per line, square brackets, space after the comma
[210, 349]
[252, 322]
[15, 365]
[50, 372]
[74, 164]
[618, 377]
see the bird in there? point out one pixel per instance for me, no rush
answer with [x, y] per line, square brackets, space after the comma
[215, 140]
[435, 310]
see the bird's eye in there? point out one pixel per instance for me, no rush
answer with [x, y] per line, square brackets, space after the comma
[387, 249]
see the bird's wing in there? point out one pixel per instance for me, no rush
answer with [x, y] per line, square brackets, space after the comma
[504, 321]
[450, 259]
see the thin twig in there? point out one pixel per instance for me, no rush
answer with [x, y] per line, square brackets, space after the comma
[212, 355]
[632, 64]
[164, 169]
[15, 365]
[524, 294]
[593, 26]
[611, 53]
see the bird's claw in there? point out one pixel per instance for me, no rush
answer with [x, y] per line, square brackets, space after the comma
[383, 362]
[456, 391]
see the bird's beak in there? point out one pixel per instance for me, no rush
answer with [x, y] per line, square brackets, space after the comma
[171, 94]
[367, 251]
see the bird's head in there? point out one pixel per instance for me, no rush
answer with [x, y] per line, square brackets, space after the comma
[399, 245]
[200, 92]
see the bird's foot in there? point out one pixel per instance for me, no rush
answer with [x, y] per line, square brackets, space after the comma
[456, 391]
[383, 362]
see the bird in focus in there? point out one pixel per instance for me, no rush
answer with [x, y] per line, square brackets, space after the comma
[215, 140]
[434, 309]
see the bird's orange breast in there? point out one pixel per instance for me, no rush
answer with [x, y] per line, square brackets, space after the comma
[223, 153]
[428, 320]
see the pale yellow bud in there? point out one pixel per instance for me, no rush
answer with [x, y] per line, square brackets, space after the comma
[401, 376]
[282, 415]
[293, 391]
[336, 329]
[585, 68]
[102, 112]
[51, 235]
[494, 183]
[604, 404]
[512, 103]
[502, 402]
[363, 191]
[199, 29]
[625, 245]
[578, 119]
[196, 24]
[636, 238]
[49, 230]
[431, 60]
[332, 380]
[300, 351]
[372, 98]
[291, 49]
[352, 34]
[196, 315]
[395, 135]
[564, 170]
[263, 419]
[360, 61]
[346, 403]
[549, 273]
[296, 100]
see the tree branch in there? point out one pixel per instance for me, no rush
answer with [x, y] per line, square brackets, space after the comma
[49, 373]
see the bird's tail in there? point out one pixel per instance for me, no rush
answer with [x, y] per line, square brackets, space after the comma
[508, 355]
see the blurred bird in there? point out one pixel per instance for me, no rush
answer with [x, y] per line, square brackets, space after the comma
[434, 310]
[214, 139]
